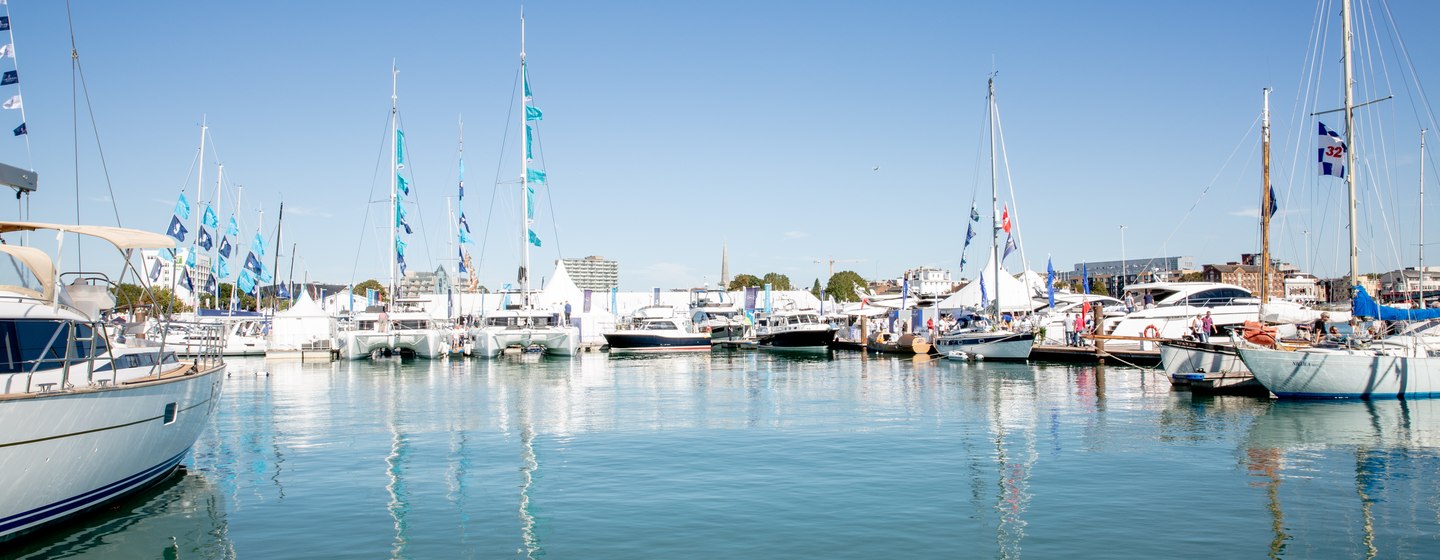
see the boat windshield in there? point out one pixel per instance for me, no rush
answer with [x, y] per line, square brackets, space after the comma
[13, 272]
[659, 326]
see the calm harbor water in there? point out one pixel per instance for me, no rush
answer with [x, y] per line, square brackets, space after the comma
[759, 455]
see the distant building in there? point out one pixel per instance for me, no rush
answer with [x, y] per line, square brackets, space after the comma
[159, 269]
[1404, 284]
[1145, 269]
[594, 273]
[929, 283]
[1304, 288]
[1339, 288]
[1246, 276]
[419, 283]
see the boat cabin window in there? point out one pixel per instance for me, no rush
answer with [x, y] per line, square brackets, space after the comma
[412, 324]
[24, 343]
[660, 326]
[365, 324]
[1217, 297]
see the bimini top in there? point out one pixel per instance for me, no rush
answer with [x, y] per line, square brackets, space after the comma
[43, 268]
[121, 238]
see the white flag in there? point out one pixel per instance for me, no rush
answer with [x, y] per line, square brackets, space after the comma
[7, 50]
[12, 103]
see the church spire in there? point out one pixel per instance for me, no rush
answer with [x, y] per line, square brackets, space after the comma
[724, 266]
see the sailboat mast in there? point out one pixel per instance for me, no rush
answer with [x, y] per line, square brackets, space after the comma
[219, 180]
[994, 203]
[1350, 144]
[1421, 284]
[1265, 203]
[394, 141]
[524, 176]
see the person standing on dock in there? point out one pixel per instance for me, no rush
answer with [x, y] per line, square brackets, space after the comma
[1069, 324]
[1079, 327]
[567, 313]
[1207, 327]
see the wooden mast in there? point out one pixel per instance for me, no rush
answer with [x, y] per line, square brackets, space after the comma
[1265, 205]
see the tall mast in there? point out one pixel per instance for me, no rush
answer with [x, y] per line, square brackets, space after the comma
[524, 175]
[394, 141]
[200, 171]
[994, 203]
[219, 180]
[1350, 144]
[1421, 300]
[1265, 203]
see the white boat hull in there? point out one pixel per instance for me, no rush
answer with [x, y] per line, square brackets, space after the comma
[560, 341]
[66, 452]
[1343, 374]
[989, 346]
[424, 343]
[1192, 357]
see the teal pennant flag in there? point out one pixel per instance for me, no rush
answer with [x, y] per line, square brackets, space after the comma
[535, 176]
[530, 207]
[464, 237]
[534, 239]
[399, 247]
[209, 219]
[402, 184]
[182, 207]
[533, 114]
[234, 229]
[528, 136]
[400, 148]
[258, 244]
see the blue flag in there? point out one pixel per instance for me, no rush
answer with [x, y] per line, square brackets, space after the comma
[984, 298]
[177, 229]
[205, 240]
[182, 207]
[234, 229]
[155, 270]
[185, 280]
[252, 264]
[13, 77]
[209, 218]
[225, 248]
[974, 214]
[19, 130]
[399, 258]
[460, 256]
[463, 222]
[1331, 152]
[1009, 247]
[1274, 205]
[1050, 281]
[1085, 276]
[210, 283]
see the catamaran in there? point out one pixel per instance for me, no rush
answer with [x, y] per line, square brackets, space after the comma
[523, 325]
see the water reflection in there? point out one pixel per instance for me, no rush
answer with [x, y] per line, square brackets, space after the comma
[182, 517]
[1382, 454]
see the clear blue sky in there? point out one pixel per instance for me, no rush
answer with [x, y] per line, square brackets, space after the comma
[673, 127]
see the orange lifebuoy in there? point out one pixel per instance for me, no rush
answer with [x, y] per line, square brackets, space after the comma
[1150, 332]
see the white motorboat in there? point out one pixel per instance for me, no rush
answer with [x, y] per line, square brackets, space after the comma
[793, 329]
[84, 419]
[657, 328]
[245, 336]
[725, 321]
[974, 336]
[1177, 304]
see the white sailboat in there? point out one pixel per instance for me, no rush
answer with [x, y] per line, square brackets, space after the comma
[1404, 366]
[84, 419]
[401, 327]
[979, 339]
[523, 325]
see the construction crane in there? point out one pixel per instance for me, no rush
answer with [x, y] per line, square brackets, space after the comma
[832, 262]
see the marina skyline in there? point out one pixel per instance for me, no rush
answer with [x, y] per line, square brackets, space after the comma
[791, 133]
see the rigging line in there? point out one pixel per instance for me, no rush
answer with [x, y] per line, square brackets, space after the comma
[549, 200]
[369, 199]
[499, 164]
[1213, 180]
[980, 131]
[1414, 75]
[90, 110]
[1015, 218]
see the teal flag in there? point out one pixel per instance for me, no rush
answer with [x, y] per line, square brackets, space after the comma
[535, 176]
[234, 229]
[209, 219]
[464, 238]
[182, 206]
[402, 184]
[399, 214]
[258, 244]
[224, 271]
[400, 148]
[530, 206]
[246, 283]
[526, 74]
[534, 239]
[399, 247]
[528, 136]
[533, 113]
